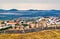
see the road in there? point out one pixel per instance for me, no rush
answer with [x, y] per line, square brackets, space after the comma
[29, 30]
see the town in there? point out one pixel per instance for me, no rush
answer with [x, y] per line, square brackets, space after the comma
[26, 24]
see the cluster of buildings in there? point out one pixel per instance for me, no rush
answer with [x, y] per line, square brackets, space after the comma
[23, 25]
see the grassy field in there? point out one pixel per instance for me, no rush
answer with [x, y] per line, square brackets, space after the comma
[46, 34]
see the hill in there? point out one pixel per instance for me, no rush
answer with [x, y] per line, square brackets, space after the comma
[48, 34]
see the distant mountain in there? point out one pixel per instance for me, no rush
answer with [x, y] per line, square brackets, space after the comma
[21, 10]
[2, 10]
[32, 12]
[13, 10]
[5, 11]
[14, 13]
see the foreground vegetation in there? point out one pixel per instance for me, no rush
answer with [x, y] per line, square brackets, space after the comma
[46, 34]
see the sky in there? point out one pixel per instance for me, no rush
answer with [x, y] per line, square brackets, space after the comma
[30, 4]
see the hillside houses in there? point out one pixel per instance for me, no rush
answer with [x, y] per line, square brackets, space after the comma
[24, 25]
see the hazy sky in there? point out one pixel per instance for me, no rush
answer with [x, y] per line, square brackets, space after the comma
[30, 4]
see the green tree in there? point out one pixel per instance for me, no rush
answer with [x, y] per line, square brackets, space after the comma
[25, 25]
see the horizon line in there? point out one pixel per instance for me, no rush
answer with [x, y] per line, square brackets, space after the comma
[28, 9]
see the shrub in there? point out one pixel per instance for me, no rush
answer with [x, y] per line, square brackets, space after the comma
[25, 25]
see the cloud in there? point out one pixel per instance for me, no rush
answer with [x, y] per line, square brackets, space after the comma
[29, 1]
[30, 6]
[19, 1]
